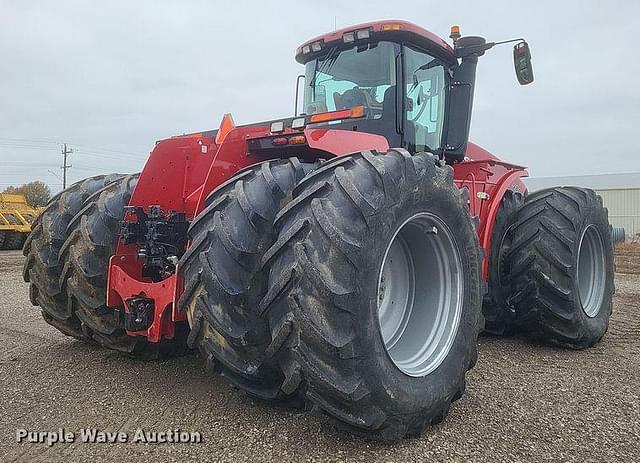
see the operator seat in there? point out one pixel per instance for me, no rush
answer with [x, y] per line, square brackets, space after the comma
[350, 98]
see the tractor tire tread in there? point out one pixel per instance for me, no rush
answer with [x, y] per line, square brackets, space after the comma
[312, 288]
[542, 266]
[224, 279]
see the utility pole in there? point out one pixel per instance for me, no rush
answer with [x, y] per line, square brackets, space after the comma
[65, 151]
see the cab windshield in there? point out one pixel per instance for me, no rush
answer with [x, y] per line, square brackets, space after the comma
[353, 77]
[366, 76]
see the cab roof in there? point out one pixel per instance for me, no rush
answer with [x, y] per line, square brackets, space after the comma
[391, 29]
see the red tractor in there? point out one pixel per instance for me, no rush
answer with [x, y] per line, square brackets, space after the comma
[345, 258]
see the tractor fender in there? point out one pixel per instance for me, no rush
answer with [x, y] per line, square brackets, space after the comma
[490, 212]
[232, 156]
[342, 142]
[487, 178]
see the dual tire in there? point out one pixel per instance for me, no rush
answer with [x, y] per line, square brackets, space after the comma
[348, 314]
[225, 279]
[552, 278]
[67, 259]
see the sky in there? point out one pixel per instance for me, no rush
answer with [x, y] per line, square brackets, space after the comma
[111, 78]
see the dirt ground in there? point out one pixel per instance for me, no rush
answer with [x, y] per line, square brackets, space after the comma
[628, 258]
[524, 402]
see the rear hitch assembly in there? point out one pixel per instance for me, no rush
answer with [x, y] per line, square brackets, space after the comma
[139, 315]
[161, 237]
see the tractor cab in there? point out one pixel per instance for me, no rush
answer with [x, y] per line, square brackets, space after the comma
[402, 88]
[407, 84]
[368, 76]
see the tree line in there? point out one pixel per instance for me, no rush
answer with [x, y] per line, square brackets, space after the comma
[37, 192]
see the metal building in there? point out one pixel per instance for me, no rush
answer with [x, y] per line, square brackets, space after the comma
[620, 193]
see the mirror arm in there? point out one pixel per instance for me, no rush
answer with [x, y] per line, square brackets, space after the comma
[479, 49]
[461, 89]
[509, 41]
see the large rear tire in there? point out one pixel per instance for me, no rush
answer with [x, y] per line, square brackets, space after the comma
[75, 301]
[43, 267]
[561, 267]
[224, 279]
[375, 292]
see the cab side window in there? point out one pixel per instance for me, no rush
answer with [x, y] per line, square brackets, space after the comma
[425, 94]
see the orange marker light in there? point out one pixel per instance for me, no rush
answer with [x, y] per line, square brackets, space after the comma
[355, 112]
[330, 116]
[391, 27]
[455, 33]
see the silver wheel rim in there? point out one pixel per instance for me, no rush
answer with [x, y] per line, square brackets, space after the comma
[591, 271]
[420, 294]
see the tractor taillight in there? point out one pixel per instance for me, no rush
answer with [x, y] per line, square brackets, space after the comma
[282, 143]
[294, 140]
[297, 140]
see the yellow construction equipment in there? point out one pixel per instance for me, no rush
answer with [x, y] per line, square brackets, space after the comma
[15, 220]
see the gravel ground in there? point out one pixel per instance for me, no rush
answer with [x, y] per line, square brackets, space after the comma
[524, 402]
[628, 258]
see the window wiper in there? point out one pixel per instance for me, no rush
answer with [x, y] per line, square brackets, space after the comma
[431, 64]
[325, 65]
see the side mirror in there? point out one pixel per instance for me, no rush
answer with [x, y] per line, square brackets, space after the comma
[522, 63]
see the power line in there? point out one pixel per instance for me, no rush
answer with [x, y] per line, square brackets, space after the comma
[55, 175]
[96, 154]
[36, 165]
[28, 146]
[97, 148]
[96, 151]
[111, 156]
[33, 165]
[42, 140]
[35, 144]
